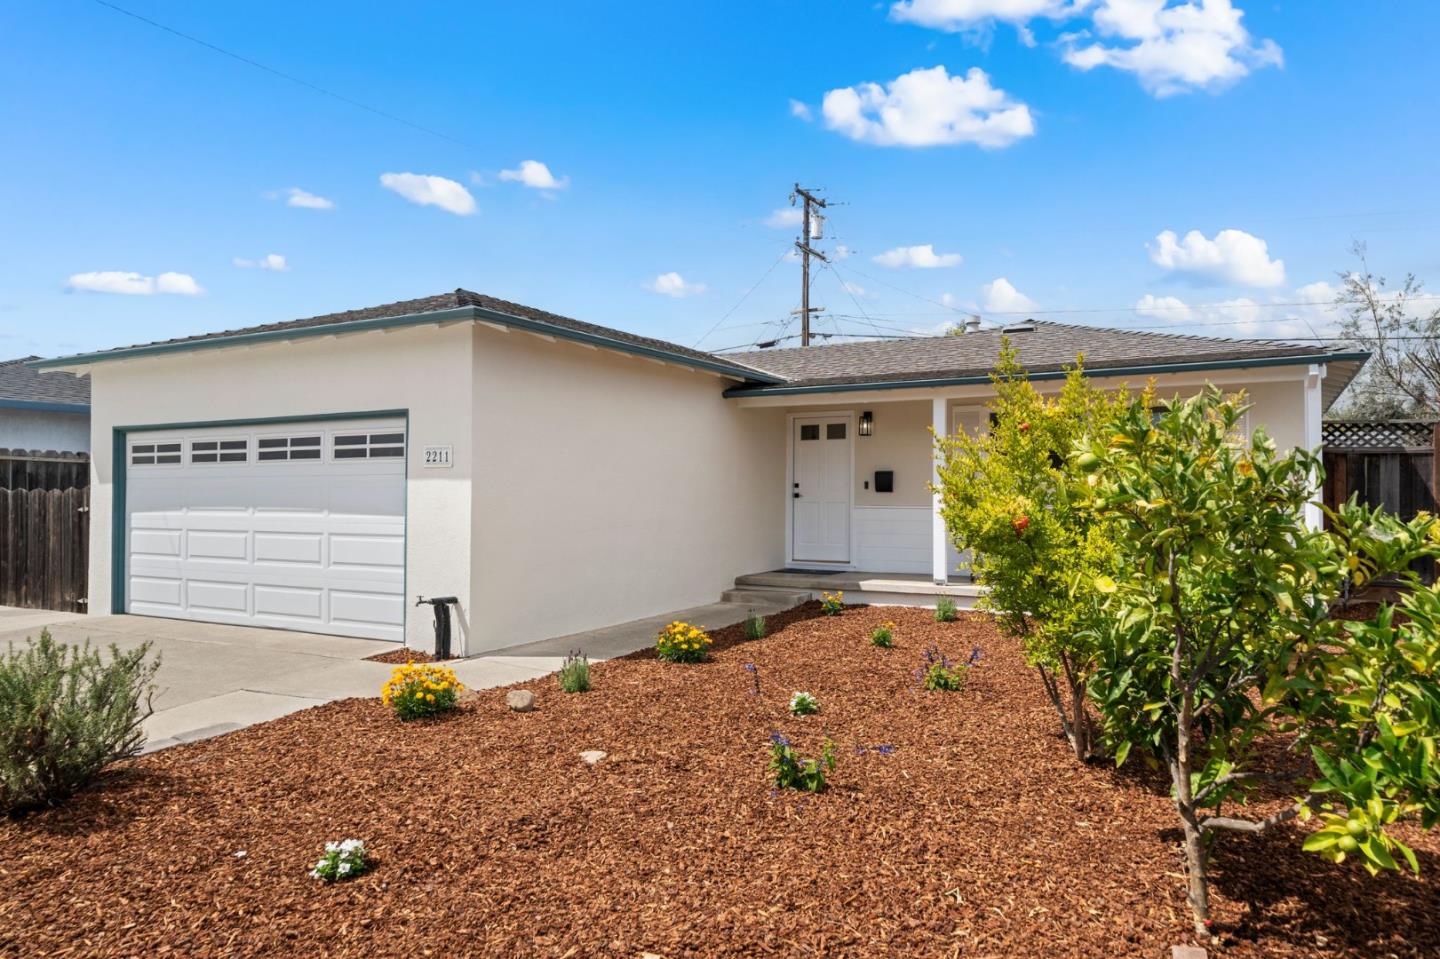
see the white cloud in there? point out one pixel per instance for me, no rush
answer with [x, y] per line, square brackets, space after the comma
[842, 252]
[856, 290]
[955, 16]
[801, 110]
[534, 174]
[784, 218]
[922, 257]
[948, 299]
[674, 285]
[929, 108]
[1171, 309]
[270, 261]
[1233, 256]
[306, 200]
[430, 191]
[1000, 296]
[135, 284]
[1174, 47]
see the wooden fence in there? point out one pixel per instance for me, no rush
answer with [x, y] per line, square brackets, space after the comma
[43, 469]
[44, 548]
[1393, 465]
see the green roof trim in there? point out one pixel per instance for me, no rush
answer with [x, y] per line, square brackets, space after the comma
[43, 406]
[455, 314]
[974, 380]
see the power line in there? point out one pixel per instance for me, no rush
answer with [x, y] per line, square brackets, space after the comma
[283, 75]
[783, 253]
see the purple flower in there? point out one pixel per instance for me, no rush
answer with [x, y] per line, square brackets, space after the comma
[779, 740]
[750, 667]
[885, 749]
[974, 655]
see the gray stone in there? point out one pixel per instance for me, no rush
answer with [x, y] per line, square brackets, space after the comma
[592, 756]
[520, 700]
[1187, 952]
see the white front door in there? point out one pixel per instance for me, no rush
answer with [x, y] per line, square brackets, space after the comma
[299, 526]
[820, 489]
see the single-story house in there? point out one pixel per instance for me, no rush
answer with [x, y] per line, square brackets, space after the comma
[554, 475]
[43, 412]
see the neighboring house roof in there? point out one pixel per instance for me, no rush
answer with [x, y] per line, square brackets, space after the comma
[1044, 348]
[24, 388]
[1378, 434]
[458, 305]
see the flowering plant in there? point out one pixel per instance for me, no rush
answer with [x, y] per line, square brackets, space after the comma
[832, 604]
[791, 771]
[883, 635]
[342, 860]
[420, 689]
[682, 643]
[945, 611]
[938, 673]
[804, 704]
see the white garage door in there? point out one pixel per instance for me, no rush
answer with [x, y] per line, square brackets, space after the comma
[298, 526]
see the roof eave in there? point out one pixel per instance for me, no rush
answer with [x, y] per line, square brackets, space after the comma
[930, 382]
[43, 406]
[454, 314]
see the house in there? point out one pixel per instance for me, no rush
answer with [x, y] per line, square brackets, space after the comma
[43, 412]
[554, 475]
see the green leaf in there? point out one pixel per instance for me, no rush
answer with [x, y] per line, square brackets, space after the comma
[1121, 753]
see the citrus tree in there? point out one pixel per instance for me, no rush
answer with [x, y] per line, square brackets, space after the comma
[1219, 631]
[1010, 497]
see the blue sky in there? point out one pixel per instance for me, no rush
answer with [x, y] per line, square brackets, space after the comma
[140, 168]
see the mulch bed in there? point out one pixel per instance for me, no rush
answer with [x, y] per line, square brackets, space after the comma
[975, 835]
[401, 656]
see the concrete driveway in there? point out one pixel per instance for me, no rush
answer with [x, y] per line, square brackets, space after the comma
[214, 679]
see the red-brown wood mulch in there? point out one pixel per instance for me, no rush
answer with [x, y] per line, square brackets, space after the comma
[972, 834]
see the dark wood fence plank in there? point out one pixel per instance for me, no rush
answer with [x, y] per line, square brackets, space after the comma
[44, 547]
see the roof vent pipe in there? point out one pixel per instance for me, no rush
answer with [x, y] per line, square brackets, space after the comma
[972, 324]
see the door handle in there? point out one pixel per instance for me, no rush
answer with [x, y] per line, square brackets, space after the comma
[796, 495]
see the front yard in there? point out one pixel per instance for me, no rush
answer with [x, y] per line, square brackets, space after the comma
[955, 823]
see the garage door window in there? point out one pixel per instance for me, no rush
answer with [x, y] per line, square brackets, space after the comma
[354, 446]
[155, 454]
[219, 451]
[286, 448]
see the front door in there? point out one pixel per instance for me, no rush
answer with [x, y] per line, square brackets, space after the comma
[820, 490]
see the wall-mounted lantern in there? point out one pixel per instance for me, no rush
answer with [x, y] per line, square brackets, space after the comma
[867, 423]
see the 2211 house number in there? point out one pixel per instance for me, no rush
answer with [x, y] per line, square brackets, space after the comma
[438, 457]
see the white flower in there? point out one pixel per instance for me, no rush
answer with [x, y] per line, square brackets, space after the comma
[344, 868]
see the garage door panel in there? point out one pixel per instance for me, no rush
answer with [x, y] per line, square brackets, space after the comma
[301, 548]
[314, 544]
[218, 596]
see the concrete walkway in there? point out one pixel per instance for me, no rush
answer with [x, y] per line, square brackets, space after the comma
[214, 679]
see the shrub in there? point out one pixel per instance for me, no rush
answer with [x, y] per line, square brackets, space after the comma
[682, 643]
[1013, 498]
[804, 704]
[832, 604]
[342, 860]
[65, 714]
[883, 635]
[945, 611]
[575, 673]
[417, 690]
[1221, 628]
[755, 626]
[937, 673]
[792, 771]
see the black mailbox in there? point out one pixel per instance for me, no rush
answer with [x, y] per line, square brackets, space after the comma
[884, 481]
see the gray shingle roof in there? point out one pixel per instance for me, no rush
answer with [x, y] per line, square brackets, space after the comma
[1048, 347]
[449, 301]
[19, 383]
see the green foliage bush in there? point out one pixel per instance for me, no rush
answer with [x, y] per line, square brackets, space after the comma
[832, 604]
[883, 636]
[945, 611]
[1011, 497]
[65, 714]
[1219, 628]
[938, 674]
[575, 673]
[755, 627]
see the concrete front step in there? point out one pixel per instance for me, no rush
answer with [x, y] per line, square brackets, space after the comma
[765, 596]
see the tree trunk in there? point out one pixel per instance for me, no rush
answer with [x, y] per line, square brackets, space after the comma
[1080, 736]
[1180, 768]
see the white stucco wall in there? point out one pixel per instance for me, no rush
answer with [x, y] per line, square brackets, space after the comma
[425, 370]
[611, 488]
[32, 430]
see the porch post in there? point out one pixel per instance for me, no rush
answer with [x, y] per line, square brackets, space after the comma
[1314, 438]
[939, 416]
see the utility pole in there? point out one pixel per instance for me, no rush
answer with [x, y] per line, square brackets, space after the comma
[811, 228]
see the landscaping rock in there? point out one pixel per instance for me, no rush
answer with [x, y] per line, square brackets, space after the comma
[520, 700]
[1187, 952]
[592, 756]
